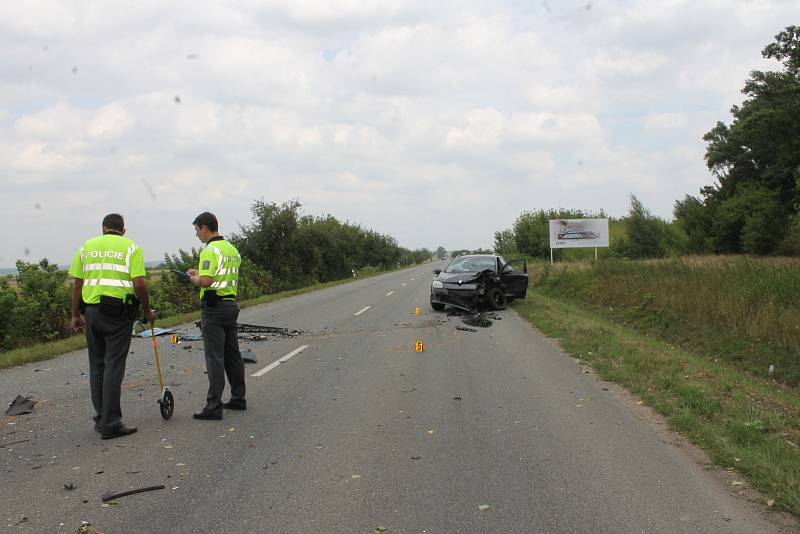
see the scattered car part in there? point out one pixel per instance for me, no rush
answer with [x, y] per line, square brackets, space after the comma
[248, 356]
[20, 405]
[111, 496]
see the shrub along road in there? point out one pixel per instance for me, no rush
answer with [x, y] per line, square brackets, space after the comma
[487, 431]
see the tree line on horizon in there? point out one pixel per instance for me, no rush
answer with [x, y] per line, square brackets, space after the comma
[282, 249]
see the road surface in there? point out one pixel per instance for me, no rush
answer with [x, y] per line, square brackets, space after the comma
[487, 431]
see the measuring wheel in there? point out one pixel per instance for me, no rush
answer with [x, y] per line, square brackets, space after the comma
[167, 404]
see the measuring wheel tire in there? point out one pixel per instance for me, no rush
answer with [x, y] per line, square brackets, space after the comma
[166, 405]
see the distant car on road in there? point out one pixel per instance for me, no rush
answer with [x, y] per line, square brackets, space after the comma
[578, 234]
[470, 281]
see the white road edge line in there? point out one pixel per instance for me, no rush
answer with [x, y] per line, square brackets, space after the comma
[276, 363]
[390, 293]
[362, 310]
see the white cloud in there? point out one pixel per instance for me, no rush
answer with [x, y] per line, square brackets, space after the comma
[665, 121]
[393, 114]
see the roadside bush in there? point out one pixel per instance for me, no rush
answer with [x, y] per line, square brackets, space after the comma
[8, 301]
[42, 311]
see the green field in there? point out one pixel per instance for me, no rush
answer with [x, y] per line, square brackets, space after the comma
[695, 339]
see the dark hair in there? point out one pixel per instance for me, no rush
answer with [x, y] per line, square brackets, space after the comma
[114, 221]
[208, 220]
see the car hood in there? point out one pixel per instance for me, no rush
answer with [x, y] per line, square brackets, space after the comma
[453, 278]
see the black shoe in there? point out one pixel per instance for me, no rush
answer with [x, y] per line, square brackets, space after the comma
[239, 404]
[121, 430]
[207, 416]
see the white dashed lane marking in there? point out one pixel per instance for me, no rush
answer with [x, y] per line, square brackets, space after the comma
[362, 310]
[390, 293]
[276, 363]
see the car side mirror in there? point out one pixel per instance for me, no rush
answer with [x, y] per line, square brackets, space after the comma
[437, 271]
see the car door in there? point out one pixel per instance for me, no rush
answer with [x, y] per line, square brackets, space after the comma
[515, 278]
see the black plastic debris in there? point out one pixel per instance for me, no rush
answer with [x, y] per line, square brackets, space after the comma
[20, 405]
[190, 336]
[108, 496]
[466, 329]
[253, 332]
[248, 356]
[479, 320]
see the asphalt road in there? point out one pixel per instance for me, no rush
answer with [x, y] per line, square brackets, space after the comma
[358, 432]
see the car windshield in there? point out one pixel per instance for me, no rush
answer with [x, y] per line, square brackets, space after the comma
[470, 264]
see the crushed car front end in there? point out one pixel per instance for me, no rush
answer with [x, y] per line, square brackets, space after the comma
[461, 293]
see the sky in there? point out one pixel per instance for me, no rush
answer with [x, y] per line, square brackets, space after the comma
[437, 123]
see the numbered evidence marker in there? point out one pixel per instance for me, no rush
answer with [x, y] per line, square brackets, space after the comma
[418, 311]
[419, 346]
[174, 339]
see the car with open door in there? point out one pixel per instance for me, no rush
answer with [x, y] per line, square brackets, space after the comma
[472, 281]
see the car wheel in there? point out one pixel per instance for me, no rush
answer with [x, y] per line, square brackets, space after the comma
[495, 298]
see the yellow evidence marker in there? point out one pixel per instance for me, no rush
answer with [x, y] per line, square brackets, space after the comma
[418, 311]
[174, 339]
[419, 346]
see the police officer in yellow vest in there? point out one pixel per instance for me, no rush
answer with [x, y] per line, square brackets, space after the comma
[108, 272]
[218, 278]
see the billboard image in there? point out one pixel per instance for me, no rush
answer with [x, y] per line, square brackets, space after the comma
[578, 233]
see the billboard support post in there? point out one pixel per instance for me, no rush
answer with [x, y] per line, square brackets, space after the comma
[551, 256]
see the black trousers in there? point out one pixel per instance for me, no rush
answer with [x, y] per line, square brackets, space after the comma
[221, 344]
[108, 340]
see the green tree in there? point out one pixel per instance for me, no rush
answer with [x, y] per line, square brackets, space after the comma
[759, 151]
[646, 232]
[42, 312]
[8, 301]
[441, 252]
[504, 242]
[695, 220]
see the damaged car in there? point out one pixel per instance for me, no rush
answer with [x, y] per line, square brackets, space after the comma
[475, 280]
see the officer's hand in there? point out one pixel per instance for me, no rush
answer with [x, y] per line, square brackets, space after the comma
[149, 316]
[78, 323]
[191, 272]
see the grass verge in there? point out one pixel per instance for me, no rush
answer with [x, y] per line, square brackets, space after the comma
[742, 421]
[46, 351]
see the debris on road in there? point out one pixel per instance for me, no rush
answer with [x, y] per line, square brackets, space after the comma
[156, 332]
[194, 335]
[20, 405]
[466, 329]
[248, 356]
[86, 528]
[69, 486]
[254, 332]
[5, 445]
[108, 496]
[483, 507]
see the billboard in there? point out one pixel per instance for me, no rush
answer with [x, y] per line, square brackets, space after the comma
[578, 233]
